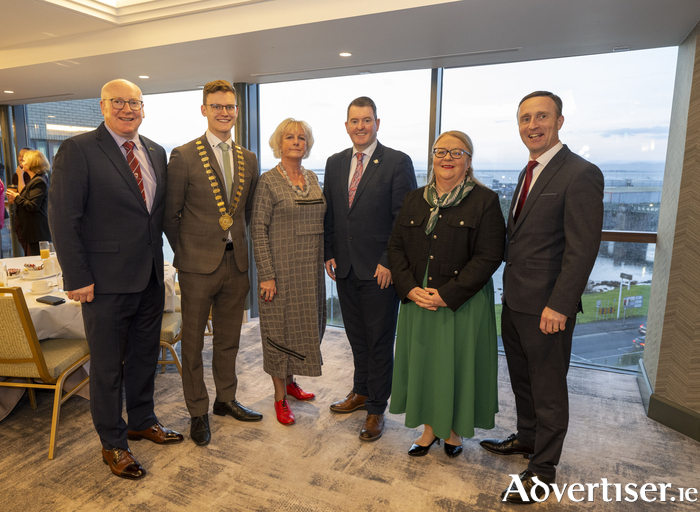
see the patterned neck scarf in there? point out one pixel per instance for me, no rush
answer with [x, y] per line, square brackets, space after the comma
[452, 198]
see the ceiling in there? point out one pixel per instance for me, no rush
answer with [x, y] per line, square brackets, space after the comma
[52, 53]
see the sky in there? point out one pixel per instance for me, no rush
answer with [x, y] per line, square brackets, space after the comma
[617, 109]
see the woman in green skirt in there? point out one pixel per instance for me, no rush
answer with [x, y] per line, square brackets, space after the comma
[447, 242]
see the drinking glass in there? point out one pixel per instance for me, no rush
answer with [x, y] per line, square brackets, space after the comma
[44, 250]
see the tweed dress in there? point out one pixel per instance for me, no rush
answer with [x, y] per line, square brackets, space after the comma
[287, 234]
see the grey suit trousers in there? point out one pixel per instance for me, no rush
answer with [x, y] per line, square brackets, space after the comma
[224, 292]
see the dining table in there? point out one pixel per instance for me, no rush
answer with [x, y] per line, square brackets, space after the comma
[58, 321]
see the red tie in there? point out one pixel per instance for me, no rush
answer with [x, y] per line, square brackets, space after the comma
[135, 166]
[355, 178]
[526, 187]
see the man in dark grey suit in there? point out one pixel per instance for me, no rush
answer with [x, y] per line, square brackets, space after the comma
[211, 182]
[106, 216]
[553, 235]
[364, 188]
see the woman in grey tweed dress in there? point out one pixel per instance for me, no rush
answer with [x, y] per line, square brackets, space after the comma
[287, 234]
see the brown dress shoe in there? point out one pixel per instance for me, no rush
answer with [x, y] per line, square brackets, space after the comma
[350, 403]
[373, 427]
[123, 464]
[158, 434]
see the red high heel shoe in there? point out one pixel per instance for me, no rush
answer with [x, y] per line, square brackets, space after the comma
[284, 414]
[298, 393]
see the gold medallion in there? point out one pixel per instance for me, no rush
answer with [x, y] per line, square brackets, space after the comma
[225, 221]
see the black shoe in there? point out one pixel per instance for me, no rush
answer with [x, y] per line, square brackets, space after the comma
[417, 450]
[508, 446]
[199, 430]
[452, 450]
[512, 495]
[236, 410]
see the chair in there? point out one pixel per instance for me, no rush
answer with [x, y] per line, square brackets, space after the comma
[23, 356]
[170, 336]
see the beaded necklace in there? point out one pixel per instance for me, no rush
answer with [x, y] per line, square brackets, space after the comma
[296, 188]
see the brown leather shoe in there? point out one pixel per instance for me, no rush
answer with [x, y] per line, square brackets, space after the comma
[373, 427]
[350, 403]
[123, 464]
[158, 434]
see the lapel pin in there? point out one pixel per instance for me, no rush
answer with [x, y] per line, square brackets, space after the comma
[376, 161]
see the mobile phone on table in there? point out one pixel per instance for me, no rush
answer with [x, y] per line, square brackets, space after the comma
[50, 299]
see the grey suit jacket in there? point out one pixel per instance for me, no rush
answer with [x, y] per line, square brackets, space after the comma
[192, 216]
[101, 227]
[551, 250]
[357, 237]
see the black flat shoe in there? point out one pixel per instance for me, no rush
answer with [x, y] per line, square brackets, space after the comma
[417, 450]
[452, 450]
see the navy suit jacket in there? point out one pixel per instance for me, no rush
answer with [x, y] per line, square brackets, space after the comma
[357, 237]
[102, 230]
[551, 250]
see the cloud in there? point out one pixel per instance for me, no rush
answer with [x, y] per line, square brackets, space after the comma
[653, 131]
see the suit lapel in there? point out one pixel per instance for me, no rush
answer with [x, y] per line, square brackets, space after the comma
[107, 143]
[545, 176]
[345, 175]
[158, 169]
[370, 168]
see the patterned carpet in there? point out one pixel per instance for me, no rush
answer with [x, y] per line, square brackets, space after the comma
[319, 464]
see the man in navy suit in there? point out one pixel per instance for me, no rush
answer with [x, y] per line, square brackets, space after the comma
[364, 188]
[106, 216]
[553, 235]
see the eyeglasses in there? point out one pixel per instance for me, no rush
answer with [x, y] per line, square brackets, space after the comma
[218, 108]
[455, 153]
[119, 104]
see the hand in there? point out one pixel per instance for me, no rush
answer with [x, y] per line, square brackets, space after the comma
[427, 298]
[330, 268]
[268, 290]
[383, 276]
[552, 322]
[437, 300]
[11, 194]
[86, 294]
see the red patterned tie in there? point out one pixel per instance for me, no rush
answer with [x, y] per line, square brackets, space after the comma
[526, 188]
[356, 178]
[134, 165]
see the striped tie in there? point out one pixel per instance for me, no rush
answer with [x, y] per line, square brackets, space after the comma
[135, 166]
[356, 178]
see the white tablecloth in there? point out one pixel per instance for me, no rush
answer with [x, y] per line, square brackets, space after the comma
[66, 320]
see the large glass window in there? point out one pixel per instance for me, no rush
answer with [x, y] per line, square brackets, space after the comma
[403, 108]
[617, 111]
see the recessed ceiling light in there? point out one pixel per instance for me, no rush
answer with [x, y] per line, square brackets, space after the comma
[345, 54]
[144, 76]
[10, 92]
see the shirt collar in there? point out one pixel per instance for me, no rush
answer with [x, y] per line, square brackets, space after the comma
[121, 140]
[368, 151]
[545, 157]
[215, 141]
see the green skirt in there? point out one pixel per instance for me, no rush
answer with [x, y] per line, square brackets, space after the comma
[446, 366]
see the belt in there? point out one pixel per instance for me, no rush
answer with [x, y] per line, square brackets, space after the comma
[229, 246]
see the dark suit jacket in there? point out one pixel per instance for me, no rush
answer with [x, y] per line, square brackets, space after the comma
[101, 227]
[32, 210]
[551, 250]
[357, 237]
[192, 216]
[462, 252]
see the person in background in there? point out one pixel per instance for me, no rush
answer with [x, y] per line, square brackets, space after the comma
[15, 182]
[553, 235]
[32, 199]
[364, 188]
[287, 234]
[106, 216]
[447, 243]
[3, 213]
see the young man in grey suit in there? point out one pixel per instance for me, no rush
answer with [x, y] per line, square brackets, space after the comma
[106, 215]
[364, 188]
[211, 182]
[553, 235]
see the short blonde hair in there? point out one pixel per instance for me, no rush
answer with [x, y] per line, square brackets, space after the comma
[36, 162]
[288, 125]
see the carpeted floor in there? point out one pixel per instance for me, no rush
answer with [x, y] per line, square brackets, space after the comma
[319, 464]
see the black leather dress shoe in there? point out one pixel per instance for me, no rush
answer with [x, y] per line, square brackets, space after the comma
[199, 430]
[417, 450]
[513, 495]
[236, 410]
[508, 446]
